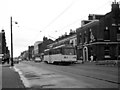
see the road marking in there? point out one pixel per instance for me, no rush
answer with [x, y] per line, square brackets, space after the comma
[24, 80]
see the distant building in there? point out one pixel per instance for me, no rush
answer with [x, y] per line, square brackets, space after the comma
[24, 55]
[100, 38]
[42, 46]
[36, 48]
[70, 39]
[30, 52]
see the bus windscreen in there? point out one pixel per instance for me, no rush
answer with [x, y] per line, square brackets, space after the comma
[69, 51]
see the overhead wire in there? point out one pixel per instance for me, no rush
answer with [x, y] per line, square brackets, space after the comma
[84, 16]
[64, 11]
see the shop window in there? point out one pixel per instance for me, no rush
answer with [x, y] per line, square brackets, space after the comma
[107, 51]
[118, 50]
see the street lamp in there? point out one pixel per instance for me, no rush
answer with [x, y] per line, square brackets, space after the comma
[12, 63]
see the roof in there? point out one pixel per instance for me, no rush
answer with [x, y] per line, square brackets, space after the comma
[37, 42]
[88, 25]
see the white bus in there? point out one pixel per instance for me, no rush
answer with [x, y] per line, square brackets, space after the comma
[60, 54]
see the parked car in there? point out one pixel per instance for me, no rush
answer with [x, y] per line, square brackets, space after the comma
[37, 59]
[20, 59]
[15, 60]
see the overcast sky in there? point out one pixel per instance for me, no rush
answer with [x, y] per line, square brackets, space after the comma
[50, 18]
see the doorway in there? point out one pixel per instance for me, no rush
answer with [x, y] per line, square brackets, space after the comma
[85, 54]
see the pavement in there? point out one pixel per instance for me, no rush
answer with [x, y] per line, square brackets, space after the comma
[0, 76]
[10, 78]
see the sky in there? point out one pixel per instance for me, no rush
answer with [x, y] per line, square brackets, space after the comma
[50, 18]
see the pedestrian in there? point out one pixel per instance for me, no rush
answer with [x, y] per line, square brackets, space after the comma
[91, 57]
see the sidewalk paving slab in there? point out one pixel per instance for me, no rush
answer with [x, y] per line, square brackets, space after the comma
[10, 78]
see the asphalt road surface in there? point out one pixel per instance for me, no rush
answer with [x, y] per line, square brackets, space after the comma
[94, 75]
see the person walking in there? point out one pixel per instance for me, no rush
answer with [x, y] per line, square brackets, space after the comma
[91, 57]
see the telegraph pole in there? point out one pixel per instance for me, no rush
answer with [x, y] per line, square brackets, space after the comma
[12, 64]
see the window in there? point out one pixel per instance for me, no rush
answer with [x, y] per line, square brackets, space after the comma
[56, 51]
[75, 41]
[72, 42]
[69, 51]
[118, 50]
[106, 34]
[85, 37]
[80, 39]
[92, 38]
[107, 51]
[118, 30]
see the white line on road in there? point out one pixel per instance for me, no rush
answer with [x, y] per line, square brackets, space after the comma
[24, 80]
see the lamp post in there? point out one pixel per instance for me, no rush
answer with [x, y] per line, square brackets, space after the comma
[12, 63]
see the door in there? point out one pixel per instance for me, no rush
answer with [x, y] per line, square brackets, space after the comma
[85, 54]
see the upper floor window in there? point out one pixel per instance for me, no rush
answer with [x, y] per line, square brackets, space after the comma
[118, 30]
[75, 41]
[92, 38]
[80, 39]
[106, 34]
[84, 38]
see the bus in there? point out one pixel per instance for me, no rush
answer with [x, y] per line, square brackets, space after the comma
[60, 54]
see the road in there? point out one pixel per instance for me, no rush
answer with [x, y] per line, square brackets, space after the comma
[94, 76]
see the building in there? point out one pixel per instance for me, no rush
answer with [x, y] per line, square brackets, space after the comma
[30, 52]
[70, 39]
[100, 37]
[2, 42]
[65, 39]
[4, 52]
[36, 48]
[24, 55]
[42, 46]
[91, 17]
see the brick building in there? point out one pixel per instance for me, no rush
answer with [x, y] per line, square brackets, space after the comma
[4, 52]
[42, 46]
[100, 37]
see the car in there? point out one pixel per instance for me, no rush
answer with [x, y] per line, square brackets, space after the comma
[37, 59]
[15, 60]
[20, 59]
